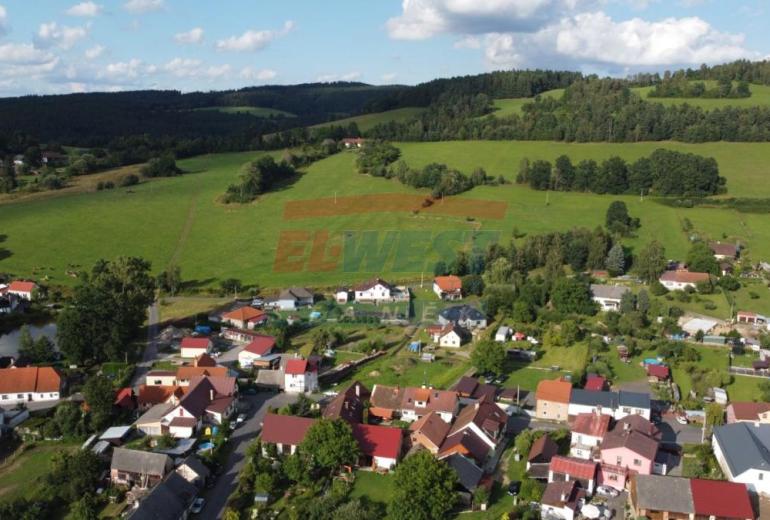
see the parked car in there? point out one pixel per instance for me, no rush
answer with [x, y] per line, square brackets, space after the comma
[607, 491]
[514, 487]
[197, 506]
[681, 419]
[240, 419]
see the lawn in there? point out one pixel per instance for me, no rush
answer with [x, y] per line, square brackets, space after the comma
[22, 478]
[172, 309]
[374, 486]
[254, 111]
[368, 121]
[180, 220]
[744, 388]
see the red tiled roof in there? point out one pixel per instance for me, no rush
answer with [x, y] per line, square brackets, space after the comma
[683, 276]
[718, 248]
[449, 283]
[205, 361]
[748, 411]
[260, 345]
[19, 286]
[285, 429]
[595, 383]
[467, 441]
[721, 499]
[378, 441]
[554, 390]
[436, 400]
[432, 427]
[195, 343]
[595, 425]
[184, 373]
[544, 448]
[124, 398]
[29, 379]
[183, 422]
[245, 314]
[577, 468]
[157, 394]
[298, 367]
[659, 371]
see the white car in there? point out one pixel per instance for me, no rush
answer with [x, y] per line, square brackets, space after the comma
[240, 419]
[197, 505]
[607, 491]
[681, 419]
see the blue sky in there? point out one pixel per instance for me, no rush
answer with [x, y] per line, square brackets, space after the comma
[60, 46]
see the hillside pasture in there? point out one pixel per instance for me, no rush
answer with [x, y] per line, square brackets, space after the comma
[254, 111]
[760, 96]
[368, 121]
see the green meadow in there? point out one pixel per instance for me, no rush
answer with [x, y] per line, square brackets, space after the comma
[368, 121]
[254, 111]
[760, 96]
[181, 221]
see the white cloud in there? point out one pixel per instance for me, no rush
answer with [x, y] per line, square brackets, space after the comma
[468, 42]
[24, 53]
[421, 19]
[62, 36]
[390, 77]
[253, 40]
[122, 70]
[94, 52]
[143, 6]
[89, 9]
[193, 68]
[252, 74]
[194, 35]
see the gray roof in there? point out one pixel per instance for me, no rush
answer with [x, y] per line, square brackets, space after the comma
[609, 292]
[593, 398]
[744, 446]
[196, 465]
[462, 313]
[295, 293]
[468, 473]
[658, 493]
[154, 414]
[167, 501]
[115, 432]
[135, 461]
[634, 399]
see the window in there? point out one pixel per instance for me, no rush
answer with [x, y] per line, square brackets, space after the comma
[5, 397]
[761, 476]
[619, 461]
[20, 396]
[637, 462]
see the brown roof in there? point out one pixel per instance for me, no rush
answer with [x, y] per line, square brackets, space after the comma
[348, 405]
[465, 441]
[554, 390]
[156, 394]
[466, 385]
[437, 400]
[29, 379]
[487, 416]
[432, 427]
[387, 397]
[718, 248]
[544, 448]
[244, 314]
[183, 422]
[365, 286]
[632, 440]
[593, 424]
[640, 424]
[449, 283]
[220, 404]
[682, 276]
[285, 429]
[19, 286]
[748, 411]
[185, 373]
[561, 494]
[204, 390]
[205, 360]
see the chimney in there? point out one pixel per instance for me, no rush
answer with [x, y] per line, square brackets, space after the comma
[476, 405]
[626, 427]
[563, 496]
[358, 390]
[211, 394]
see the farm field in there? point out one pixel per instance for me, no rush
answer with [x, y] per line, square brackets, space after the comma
[180, 220]
[254, 111]
[760, 96]
[368, 121]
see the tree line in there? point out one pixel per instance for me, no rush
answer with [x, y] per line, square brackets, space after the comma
[664, 172]
[678, 86]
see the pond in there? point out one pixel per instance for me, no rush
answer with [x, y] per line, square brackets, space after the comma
[9, 343]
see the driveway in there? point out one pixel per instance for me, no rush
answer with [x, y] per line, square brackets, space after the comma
[681, 434]
[151, 349]
[216, 497]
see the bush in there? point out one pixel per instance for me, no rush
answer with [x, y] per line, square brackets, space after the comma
[657, 288]
[128, 180]
[753, 295]
[709, 305]
[161, 167]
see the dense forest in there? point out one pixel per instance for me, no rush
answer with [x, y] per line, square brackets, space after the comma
[678, 86]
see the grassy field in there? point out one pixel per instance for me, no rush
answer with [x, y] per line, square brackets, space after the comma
[367, 121]
[254, 111]
[510, 106]
[374, 486]
[181, 221]
[22, 477]
[185, 307]
[760, 96]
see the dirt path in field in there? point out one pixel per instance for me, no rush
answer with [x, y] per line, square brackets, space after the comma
[186, 229]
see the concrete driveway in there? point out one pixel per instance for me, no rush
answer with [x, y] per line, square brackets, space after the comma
[681, 434]
[216, 497]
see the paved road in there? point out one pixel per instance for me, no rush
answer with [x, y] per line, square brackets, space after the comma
[216, 498]
[151, 349]
[681, 434]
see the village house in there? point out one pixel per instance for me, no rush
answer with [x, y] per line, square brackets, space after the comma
[171, 499]
[655, 496]
[540, 455]
[259, 348]
[194, 471]
[657, 373]
[595, 383]
[680, 279]
[192, 347]
[343, 295]
[463, 315]
[588, 431]
[293, 298]
[608, 296]
[448, 287]
[743, 453]
[353, 142]
[386, 402]
[23, 289]
[449, 336]
[553, 399]
[29, 384]
[185, 374]
[349, 405]
[750, 318]
[629, 447]
[286, 432]
[616, 404]
[300, 376]
[566, 469]
[485, 420]
[245, 318]
[758, 413]
[561, 500]
[469, 390]
[724, 251]
[138, 468]
[419, 401]
[429, 432]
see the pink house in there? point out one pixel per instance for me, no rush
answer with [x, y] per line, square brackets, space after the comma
[630, 450]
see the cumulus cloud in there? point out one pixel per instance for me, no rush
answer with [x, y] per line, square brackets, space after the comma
[51, 33]
[253, 40]
[194, 68]
[143, 6]
[24, 53]
[122, 70]
[194, 35]
[421, 19]
[88, 9]
[252, 74]
[94, 52]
